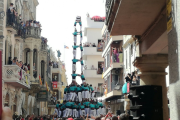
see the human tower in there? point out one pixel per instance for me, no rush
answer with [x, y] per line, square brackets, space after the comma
[79, 100]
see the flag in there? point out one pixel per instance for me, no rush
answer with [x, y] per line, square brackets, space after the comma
[66, 47]
[40, 81]
[47, 87]
[26, 80]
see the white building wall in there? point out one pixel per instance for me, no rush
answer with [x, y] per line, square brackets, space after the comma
[93, 34]
[93, 60]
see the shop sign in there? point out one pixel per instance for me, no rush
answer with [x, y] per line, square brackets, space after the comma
[55, 84]
[42, 95]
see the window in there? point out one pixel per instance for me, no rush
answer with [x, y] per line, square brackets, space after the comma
[55, 77]
[100, 67]
[100, 45]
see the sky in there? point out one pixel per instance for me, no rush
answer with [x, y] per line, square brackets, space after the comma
[57, 18]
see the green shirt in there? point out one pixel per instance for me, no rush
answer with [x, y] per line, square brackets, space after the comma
[100, 104]
[86, 104]
[82, 76]
[74, 75]
[57, 105]
[75, 60]
[66, 89]
[72, 88]
[75, 47]
[69, 104]
[74, 106]
[81, 106]
[75, 33]
[96, 106]
[91, 88]
[85, 88]
[78, 89]
[63, 106]
[92, 106]
[81, 48]
[82, 62]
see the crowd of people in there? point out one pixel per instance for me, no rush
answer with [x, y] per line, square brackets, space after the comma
[23, 66]
[7, 115]
[99, 46]
[15, 20]
[132, 78]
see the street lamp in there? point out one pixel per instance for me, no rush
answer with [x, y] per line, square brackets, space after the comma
[2, 14]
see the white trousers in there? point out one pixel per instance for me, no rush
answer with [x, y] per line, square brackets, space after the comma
[64, 113]
[92, 95]
[68, 112]
[87, 110]
[80, 28]
[75, 39]
[75, 113]
[93, 112]
[80, 96]
[82, 113]
[86, 95]
[83, 92]
[69, 95]
[74, 53]
[64, 97]
[72, 96]
[74, 67]
[82, 67]
[103, 111]
[59, 113]
[98, 112]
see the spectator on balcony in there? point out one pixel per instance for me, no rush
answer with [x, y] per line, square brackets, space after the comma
[9, 61]
[54, 99]
[17, 63]
[90, 45]
[94, 45]
[92, 67]
[128, 78]
[14, 62]
[10, 14]
[99, 47]
[134, 80]
[99, 71]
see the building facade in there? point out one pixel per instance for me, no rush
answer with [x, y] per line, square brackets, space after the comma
[26, 68]
[113, 70]
[93, 67]
[156, 37]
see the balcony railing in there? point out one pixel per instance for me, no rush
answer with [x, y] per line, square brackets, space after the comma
[43, 46]
[34, 32]
[14, 74]
[117, 58]
[99, 94]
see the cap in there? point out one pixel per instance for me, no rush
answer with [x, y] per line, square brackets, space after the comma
[11, 4]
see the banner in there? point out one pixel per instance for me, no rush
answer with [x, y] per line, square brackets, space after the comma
[54, 84]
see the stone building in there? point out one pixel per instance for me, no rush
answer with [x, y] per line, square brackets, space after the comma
[20, 39]
[154, 26]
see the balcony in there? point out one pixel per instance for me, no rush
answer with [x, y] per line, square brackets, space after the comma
[33, 32]
[109, 41]
[123, 19]
[91, 51]
[92, 74]
[14, 75]
[43, 46]
[51, 104]
[10, 24]
[116, 62]
[113, 93]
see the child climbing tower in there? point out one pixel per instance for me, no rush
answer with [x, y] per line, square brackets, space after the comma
[76, 45]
